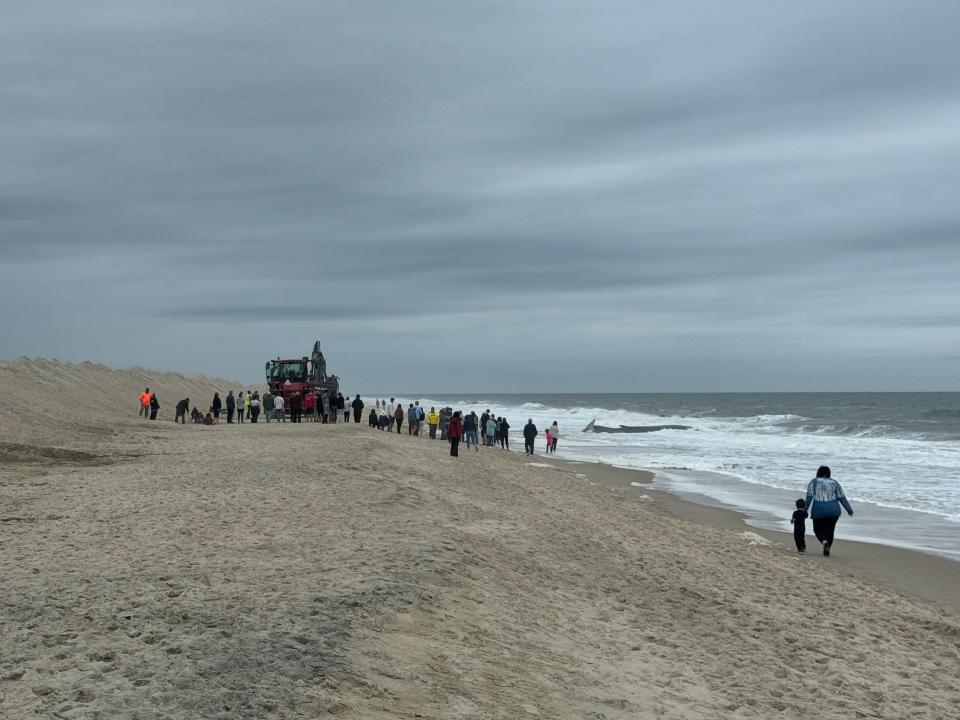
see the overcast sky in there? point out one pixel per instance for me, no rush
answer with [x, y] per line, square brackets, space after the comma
[482, 197]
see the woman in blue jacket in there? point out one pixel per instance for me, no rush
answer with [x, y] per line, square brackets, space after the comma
[824, 498]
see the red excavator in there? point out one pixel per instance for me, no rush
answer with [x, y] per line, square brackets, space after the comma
[302, 375]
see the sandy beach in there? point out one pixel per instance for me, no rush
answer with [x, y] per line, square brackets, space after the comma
[278, 571]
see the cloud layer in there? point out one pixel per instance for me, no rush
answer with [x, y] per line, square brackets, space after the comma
[485, 197]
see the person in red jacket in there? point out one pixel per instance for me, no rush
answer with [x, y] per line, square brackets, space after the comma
[310, 405]
[454, 433]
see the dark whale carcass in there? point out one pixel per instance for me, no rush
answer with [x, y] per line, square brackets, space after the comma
[593, 427]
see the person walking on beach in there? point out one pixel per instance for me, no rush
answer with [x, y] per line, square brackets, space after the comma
[231, 406]
[483, 426]
[799, 522]
[398, 417]
[548, 437]
[216, 406]
[278, 408]
[554, 436]
[357, 406]
[433, 420]
[529, 435]
[181, 411]
[824, 498]
[154, 406]
[145, 403]
[454, 431]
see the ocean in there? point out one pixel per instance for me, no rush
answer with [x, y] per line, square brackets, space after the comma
[897, 455]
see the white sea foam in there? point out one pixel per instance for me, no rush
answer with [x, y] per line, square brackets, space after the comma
[768, 450]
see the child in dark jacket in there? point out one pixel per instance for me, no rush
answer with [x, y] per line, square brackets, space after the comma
[800, 525]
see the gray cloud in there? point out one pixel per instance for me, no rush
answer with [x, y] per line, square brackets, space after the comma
[634, 188]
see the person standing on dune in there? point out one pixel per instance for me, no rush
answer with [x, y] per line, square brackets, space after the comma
[154, 406]
[216, 406]
[145, 403]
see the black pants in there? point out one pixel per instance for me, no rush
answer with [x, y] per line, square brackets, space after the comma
[505, 440]
[823, 528]
[229, 415]
[799, 537]
[528, 445]
[180, 417]
[240, 415]
[216, 414]
[153, 414]
[454, 447]
[295, 415]
[254, 413]
[356, 415]
[399, 423]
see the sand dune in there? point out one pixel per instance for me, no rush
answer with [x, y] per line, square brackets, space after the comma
[69, 403]
[158, 571]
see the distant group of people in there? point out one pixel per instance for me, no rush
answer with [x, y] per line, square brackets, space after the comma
[300, 407]
[487, 429]
[455, 427]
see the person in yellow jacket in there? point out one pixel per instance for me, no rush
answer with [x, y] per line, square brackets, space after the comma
[433, 420]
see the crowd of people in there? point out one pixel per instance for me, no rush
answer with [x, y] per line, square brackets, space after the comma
[250, 406]
[456, 426]
[487, 429]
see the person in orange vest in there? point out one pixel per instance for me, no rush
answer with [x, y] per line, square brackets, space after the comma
[145, 404]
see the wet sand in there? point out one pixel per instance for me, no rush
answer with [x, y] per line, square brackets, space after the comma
[922, 575]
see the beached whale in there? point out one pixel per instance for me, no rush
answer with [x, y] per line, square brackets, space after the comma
[593, 427]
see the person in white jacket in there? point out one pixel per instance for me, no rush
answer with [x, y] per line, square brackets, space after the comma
[278, 408]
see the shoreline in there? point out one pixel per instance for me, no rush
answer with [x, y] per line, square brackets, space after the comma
[922, 575]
